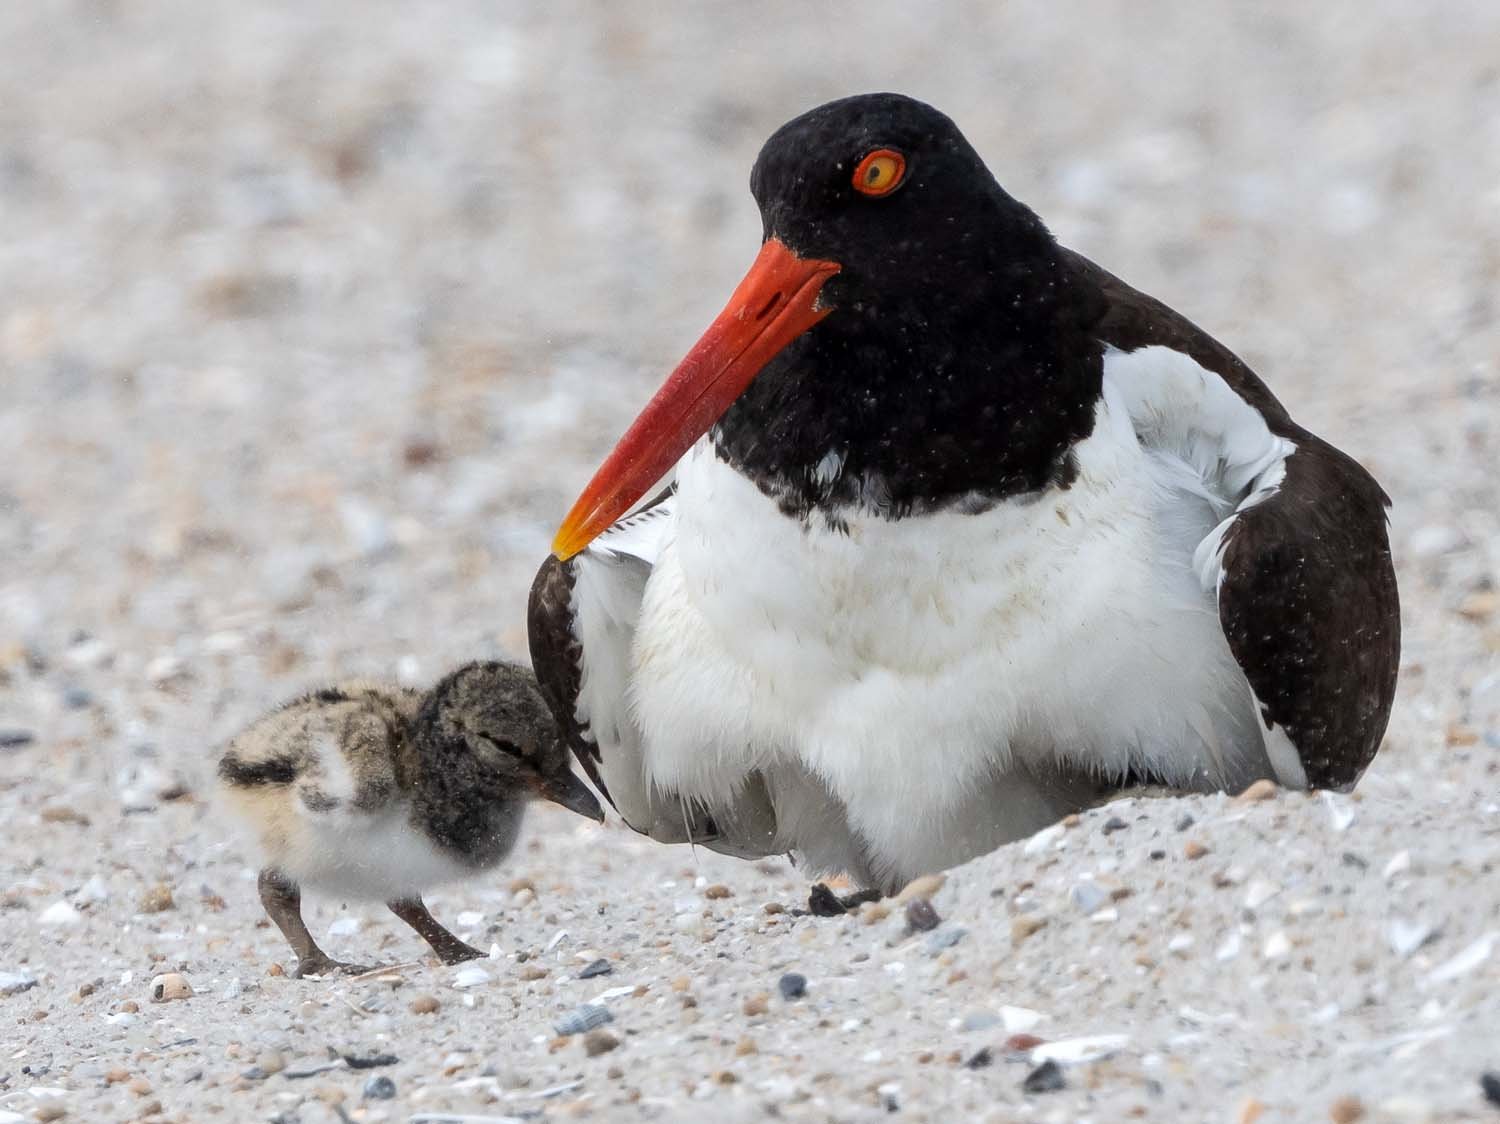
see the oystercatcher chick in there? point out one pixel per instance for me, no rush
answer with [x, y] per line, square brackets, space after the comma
[377, 792]
[962, 534]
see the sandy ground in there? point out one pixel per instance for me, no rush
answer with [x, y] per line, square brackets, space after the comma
[313, 318]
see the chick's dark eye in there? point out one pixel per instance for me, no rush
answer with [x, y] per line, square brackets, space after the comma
[880, 172]
[504, 745]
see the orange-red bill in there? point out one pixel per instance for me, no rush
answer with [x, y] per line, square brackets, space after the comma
[775, 303]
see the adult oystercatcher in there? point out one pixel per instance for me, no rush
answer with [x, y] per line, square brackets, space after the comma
[962, 533]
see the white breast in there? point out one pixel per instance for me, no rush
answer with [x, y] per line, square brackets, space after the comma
[912, 692]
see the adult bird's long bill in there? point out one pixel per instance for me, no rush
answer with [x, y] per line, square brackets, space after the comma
[775, 303]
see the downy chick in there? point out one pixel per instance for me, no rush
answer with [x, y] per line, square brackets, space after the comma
[377, 792]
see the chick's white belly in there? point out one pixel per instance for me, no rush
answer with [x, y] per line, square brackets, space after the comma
[927, 668]
[367, 857]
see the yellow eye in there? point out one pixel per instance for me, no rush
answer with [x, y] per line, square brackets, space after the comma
[880, 172]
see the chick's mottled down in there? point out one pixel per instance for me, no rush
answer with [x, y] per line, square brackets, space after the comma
[371, 791]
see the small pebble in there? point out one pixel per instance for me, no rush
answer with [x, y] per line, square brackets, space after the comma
[1192, 849]
[1489, 1083]
[979, 1020]
[169, 986]
[51, 1110]
[379, 1088]
[1022, 1044]
[423, 1005]
[716, 891]
[270, 1061]
[158, 899]
[793, 985]
[1185, 821]
[1346, 1110]
[921, 917]
[1045, 1078]
[597, 1042]
[1024, 926]
[1262, 789]
[13, 983]
[756, 1004]
[980, 1059]
[944, 939]
[15, 739]
[1251, 1110]
[926, 886]
[600, 967]
[139, 1086]
[1114, 824]
[1088, 896]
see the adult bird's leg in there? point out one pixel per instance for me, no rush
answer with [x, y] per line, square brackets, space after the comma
[283, 901]
[449, 949]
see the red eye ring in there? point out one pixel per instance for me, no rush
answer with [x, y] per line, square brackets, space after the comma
[880, 172]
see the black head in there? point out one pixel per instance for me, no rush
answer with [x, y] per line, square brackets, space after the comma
[487, 724]
[906, 320]
[940, 220]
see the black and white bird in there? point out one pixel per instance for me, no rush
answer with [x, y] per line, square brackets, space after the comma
[962, 533]
[375, 792]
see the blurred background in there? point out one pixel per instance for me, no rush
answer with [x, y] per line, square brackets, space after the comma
[315, 317]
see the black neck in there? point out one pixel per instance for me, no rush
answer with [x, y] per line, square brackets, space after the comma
[930, 400]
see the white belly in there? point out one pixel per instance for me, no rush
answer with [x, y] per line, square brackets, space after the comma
[928, 669]
[367, 857]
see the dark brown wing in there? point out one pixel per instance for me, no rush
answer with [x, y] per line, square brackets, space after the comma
[557, 650]
[1309, 605]
[557, 659]
[1307, 597]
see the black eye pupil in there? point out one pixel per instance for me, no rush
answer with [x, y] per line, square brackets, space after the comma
[873, 174]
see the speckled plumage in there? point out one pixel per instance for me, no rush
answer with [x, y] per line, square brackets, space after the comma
[376, 791]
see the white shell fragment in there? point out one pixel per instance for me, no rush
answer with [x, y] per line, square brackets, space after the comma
[1405, 937]
[582, 1019]
[470, 975]
[1080, 1051]
[1278, 945]
[1229, 948]
[1042, 839]
[170, 986]
[1018, 1020]
[1465, 962]
[1399, 863]
[60, 913]
[1340, 811]
[1259, 892]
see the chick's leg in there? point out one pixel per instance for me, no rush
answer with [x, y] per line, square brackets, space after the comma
[283, 901]
[449, 949]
